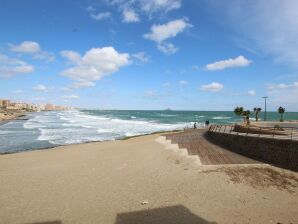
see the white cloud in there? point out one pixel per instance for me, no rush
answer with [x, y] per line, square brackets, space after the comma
[282, 94]
[32, 48]
[160, 33]
[72, 56]
[163, 32]
[65, 89]
[212, 87]
[183, 82]
[167, 48]
[166, 84]
[101, 15]
[44, 55]
[239, 61]
[94, 65]
[141, 56]
[91, 8]
[41, 88]
[77, 85]
[130, 16]
[18, 91]
[10, 67]
[29, 47]
[281, 86]
[251, 92]
[132, 9]
[152, 6]
[150, 94]
[73, 96]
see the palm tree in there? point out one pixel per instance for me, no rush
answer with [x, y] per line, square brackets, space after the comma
[257, 110]
[238, 111]
[281, 111]
[246, 114]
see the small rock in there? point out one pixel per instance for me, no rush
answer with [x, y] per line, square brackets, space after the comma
[144, 202]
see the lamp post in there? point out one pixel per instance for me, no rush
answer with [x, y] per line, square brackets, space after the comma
[265, 97]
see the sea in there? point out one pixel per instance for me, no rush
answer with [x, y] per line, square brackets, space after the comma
[49, 129]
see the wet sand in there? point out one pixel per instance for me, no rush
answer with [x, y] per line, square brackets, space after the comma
[140, 180]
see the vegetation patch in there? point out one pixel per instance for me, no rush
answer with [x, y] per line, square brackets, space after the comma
[261, 177]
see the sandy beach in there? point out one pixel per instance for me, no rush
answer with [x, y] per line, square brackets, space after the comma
[6, 115]
[140, 180]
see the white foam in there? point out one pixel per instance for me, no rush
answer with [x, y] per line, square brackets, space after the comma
[168, 115]
[71, 127]
[104, 130]
[221, 118]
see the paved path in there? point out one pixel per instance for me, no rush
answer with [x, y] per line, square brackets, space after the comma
[209, 153]
[286, 133]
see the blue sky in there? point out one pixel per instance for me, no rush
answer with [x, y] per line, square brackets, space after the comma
[150, 54]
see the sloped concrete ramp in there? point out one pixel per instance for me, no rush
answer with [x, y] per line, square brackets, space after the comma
[209, 154]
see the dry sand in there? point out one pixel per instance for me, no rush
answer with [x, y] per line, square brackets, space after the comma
[6, 115]
[139, 181]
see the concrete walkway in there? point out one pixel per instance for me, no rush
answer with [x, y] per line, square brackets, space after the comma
[210, 154]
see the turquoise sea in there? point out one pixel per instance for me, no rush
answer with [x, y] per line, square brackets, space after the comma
[50, 129]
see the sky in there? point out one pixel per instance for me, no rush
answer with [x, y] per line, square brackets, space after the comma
[150, 54]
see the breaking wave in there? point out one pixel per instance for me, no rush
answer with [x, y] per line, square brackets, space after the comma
[71, 127]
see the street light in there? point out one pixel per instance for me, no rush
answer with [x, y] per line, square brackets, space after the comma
[265, 97]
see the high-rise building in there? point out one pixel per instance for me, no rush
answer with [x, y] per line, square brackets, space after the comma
[49, 107]
[4, 103]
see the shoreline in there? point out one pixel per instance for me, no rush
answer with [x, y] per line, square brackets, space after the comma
[90, 142]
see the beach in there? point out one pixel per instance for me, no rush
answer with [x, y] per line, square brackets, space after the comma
[7, 115]
[140, 180]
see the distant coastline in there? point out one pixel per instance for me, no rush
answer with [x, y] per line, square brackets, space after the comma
[10, 110]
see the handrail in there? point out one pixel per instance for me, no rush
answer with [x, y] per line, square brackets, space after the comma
[290, 133]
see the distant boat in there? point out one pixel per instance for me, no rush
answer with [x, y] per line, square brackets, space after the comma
[168, 109]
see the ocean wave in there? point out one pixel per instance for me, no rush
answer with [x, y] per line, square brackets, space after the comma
[5, 132]
[77, 127]
[221, 118]
[168, 115]
[104, 130]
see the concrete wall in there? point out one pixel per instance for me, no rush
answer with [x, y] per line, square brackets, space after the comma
[282, 153]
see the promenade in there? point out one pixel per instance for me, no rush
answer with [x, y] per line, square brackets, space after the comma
[210, 154]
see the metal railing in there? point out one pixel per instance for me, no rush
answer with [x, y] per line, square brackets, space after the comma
[288, 133]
